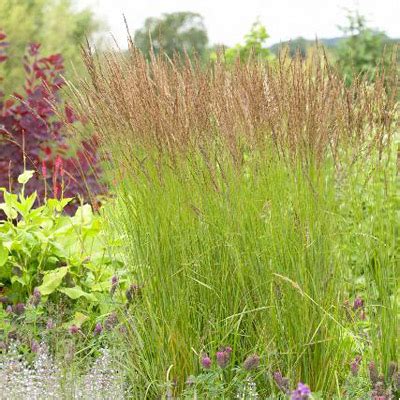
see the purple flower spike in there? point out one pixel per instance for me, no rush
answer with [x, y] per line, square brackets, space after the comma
[111, 321]
[228, 349]
[355, 365]
[73, 329]
[302, 392]
[358, 303]
[50, 324]
[251, 362]
[206, 362]
[114, 284]
[373, 372]
[132, 292]
[281, 382]
[223, 358]
[35, 347]
[98, 329]
[19, 308]
[36, 297]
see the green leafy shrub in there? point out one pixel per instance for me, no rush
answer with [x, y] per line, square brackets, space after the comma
[254, 45]
[48, 254]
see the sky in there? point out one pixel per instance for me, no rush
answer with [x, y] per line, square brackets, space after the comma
[227, 21]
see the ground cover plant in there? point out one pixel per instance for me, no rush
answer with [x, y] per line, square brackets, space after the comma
[56, 269]
[47, 378]
[258, 205]
[61, 295]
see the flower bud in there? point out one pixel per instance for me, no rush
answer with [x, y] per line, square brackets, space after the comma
[98, 329]
[206, 362]
[251, 362]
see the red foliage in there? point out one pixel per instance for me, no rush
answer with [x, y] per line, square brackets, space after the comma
[32, 133]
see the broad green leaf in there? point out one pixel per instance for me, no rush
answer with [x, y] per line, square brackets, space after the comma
[10, 198]
[83, 215]
[25, 176]
[52, 280]
[8, 210]
[23, 280]
[58, 205]
[3, 254]
[76, 292]
[5, 272]
[101, 286]
[78, 320]
[26, 204]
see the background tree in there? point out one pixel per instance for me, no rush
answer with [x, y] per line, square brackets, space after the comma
[296, 46]
[53, 23]
[254, 44]
[174, 33]
[362, 49]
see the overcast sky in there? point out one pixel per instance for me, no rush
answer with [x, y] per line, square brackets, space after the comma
[227, 21]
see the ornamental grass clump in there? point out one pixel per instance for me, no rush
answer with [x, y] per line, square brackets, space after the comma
[252, 200]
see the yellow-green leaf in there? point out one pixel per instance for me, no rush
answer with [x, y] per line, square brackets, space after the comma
[78, 320]
[52, 280]
[25, 176]
[9, 211]
[3, 254]
[76, 292]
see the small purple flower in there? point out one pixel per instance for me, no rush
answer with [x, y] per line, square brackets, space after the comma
[358, 303]
[132, 292]
[3, 300]
[123, 330]
[355, 365]
[206, 362]
[35, 347]
[111, 321]
[373, 373]
[36, 297]
[19, 308]
[73, 329]
[114, 284]
[50, 324]
[380, 393]
[281, 382]
[223, 358]
[33, 49]
[9, 309]
[98, 329]
[301, 393]
[251, 362]
[228, 349]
